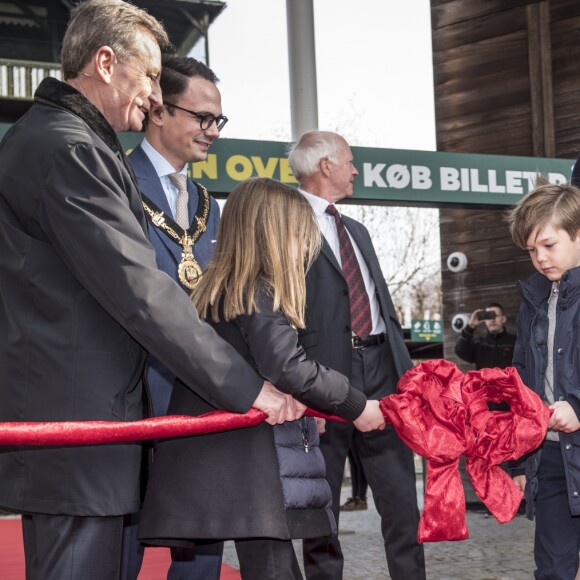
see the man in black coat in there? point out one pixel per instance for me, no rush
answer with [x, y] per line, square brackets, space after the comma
[495, 348]
[323, 164]
[82, 299]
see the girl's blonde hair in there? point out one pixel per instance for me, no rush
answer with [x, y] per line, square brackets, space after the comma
[267, 236]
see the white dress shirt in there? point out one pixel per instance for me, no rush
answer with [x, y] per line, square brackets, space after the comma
[327, 226]
[164, 169]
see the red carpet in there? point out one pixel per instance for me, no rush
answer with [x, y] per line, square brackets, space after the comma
[12, 557]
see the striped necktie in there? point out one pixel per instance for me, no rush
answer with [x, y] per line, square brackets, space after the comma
[181, 207]
[360, 309]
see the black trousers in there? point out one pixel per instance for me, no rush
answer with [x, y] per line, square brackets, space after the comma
[357, 475]
[58, 547]
[557, 538]
[264, 559]
[389, 468]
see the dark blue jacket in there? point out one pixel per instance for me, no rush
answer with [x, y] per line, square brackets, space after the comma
[168, 256]
[531, 357]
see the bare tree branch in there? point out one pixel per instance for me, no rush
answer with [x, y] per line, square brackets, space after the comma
[407, 244]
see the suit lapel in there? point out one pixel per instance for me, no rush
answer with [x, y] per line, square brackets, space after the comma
[148, 179]
[150, 185]
[329, 255]
[193, 199]
[364, 243]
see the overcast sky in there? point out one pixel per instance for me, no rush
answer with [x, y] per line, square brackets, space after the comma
[374, 66]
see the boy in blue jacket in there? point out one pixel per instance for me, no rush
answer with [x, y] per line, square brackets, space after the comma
[546, 223]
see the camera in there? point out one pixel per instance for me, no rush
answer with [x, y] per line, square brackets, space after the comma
[485, 315]
[457, 262]
[459, 322]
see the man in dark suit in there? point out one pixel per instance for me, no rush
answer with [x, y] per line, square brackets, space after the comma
[174, 138]
[82, 299]
[357, 333]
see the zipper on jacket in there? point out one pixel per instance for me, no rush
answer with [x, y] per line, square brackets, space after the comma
[304, 428]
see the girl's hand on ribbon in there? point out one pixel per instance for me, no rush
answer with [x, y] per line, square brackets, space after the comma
[371, 418]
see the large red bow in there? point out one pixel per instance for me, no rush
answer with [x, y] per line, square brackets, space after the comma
[442, 414]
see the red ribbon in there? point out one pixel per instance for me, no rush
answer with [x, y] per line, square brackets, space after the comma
[438, 412]
[442, 414]
[98, 432]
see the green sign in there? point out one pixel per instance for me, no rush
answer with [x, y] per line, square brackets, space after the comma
[385, 175]
[451, 178]
[427, 330]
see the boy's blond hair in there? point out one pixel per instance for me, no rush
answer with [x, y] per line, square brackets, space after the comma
[267, 236]
[546, 203]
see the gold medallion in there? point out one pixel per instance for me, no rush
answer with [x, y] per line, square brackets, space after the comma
[189, 272]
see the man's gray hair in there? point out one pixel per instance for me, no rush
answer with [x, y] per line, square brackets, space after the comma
[113, 23]
[305, 155]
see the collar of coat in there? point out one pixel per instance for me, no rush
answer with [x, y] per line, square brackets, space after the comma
[536, 289]
[54, 92]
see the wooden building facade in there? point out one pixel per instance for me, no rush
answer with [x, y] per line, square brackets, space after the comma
[507, 82]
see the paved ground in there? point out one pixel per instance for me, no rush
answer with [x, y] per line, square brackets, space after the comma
[493, 552]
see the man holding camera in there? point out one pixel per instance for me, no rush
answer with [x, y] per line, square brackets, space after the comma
[493, 349]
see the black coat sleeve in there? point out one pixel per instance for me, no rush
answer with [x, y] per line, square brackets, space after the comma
[273, 343]
[85, 211]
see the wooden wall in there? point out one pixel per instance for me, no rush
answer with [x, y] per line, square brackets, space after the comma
[507, 82]
[492, 271]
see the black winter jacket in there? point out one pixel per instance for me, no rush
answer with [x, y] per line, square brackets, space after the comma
[81, 300]
[488, 351]
[530, 359]
[254, 482]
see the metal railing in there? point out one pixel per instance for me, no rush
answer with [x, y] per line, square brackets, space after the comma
[20, 79]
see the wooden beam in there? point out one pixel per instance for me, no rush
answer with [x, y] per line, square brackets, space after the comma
[540, 67]
[535, 80]
[547, 85]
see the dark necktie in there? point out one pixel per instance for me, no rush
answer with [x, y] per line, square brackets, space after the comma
[360, 309]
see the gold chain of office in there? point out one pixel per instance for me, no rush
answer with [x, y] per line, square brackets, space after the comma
[189, 271]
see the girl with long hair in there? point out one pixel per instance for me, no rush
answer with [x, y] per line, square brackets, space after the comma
[262, 486]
